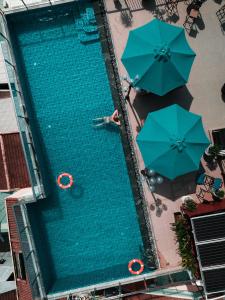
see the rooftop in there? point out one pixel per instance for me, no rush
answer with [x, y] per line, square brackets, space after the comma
[3, 75]
[6, 270]
[8, 123]
[202, 95]
[13, 169]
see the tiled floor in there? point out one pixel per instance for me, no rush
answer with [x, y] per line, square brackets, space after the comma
[201, 95]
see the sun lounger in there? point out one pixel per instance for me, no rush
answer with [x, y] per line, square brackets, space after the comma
[206, 180]
[204, 196]
[217, 183]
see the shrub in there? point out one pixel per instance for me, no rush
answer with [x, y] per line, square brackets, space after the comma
[190, 205]
[181, 229]
[214, 150]
[219, 193]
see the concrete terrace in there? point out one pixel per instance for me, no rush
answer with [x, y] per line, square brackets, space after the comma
[201, 95]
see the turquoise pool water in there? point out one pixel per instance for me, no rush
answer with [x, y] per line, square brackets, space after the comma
[87, 234]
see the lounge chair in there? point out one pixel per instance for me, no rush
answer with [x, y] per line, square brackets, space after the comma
[204, 196]
[217, 183]
[221, 17]
[206, 180]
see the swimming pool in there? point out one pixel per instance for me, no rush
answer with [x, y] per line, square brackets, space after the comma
[87, 234]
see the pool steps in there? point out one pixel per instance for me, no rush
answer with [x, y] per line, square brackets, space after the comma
[86, 27]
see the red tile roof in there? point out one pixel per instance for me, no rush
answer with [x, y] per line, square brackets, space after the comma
[24, 291]
[3, 182]
[15, 168]
[11, 295]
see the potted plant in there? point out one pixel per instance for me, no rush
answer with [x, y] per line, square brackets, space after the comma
[190, 205]
[211, 153]
[218, 194]
[183, 236]
[214, 150]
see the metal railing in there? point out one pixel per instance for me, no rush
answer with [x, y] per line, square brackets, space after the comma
[20, 111]
[10, 5]
[18, 5]
[29, 252]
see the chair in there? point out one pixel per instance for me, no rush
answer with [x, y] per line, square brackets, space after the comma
[204, 196]
[217, 183]
[206, 180]
[221, 17]
[159, 14]
[172, 11]
[193, 21]
[189, 26]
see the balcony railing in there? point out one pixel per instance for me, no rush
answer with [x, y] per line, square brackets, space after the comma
[15, 5]
[29, 252]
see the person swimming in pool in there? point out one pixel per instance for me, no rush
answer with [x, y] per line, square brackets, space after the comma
[113, 119]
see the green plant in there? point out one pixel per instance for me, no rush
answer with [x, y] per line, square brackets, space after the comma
[219, 193]
[214, 150]
[190, 205]
[182, 229]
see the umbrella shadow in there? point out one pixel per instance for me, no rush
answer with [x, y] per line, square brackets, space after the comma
[126, 18]
[118, 4]
[223, 97]
[146, 103]
[200, 23]
[180, 186]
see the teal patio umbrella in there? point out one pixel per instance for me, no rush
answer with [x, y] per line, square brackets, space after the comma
[172, 141]
[157, 57]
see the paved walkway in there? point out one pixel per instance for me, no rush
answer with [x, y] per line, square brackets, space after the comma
[201, 95]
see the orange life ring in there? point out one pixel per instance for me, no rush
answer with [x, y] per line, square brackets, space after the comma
[133, 261]
[65, 186]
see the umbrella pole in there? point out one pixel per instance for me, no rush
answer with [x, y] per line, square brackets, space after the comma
[134, 113]
[127, 98]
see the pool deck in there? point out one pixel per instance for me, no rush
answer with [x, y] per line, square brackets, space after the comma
[201, 96]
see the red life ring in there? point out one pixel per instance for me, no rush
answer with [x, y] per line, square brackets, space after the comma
[133, 261]
[65, 186]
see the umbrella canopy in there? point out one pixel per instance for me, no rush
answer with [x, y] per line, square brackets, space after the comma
[157, 57]
[172, 141]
